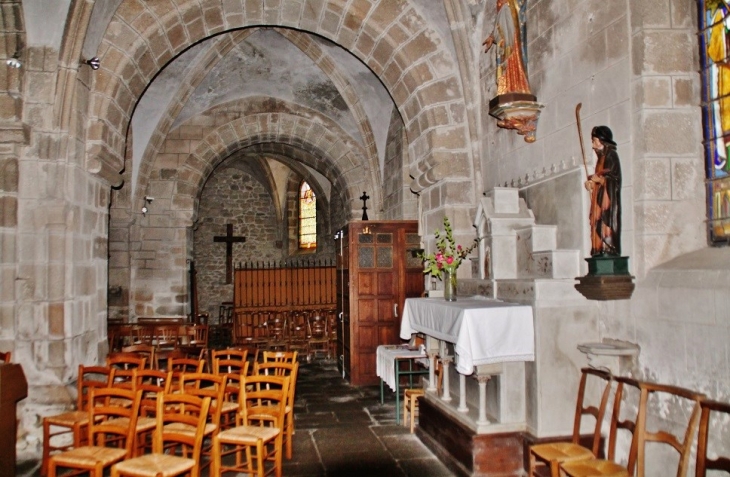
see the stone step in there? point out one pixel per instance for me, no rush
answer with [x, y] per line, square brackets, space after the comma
[537, 238]
[549, 264]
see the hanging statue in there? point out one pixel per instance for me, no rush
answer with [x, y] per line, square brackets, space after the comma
[508, 36]
[515, 107]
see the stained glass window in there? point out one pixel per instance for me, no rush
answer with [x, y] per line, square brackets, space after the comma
[714, 42]
[307, 217]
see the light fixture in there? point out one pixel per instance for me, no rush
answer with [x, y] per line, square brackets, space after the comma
[14, 61]
[149, 200]
[94, 63]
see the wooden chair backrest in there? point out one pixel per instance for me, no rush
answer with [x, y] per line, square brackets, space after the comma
[142, 350]
[263, 400]
[230, 353]
[663, 434]
[123, 360]
[206, 385]
[596, 410]
[113, 416]
[89, 378]
[152, 382]
[176, 413]
[166, 336]
[318, 327]
[280, 356]
[704, 441]
[197, 335]
[274, 368]
[626, 390]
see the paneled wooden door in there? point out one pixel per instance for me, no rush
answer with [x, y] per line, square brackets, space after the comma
[380, 271]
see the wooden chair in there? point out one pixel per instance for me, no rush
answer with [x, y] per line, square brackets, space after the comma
[257, 432]
[319, 340]
[57, 428]
[195, 341]
[276, 328]
[143, 351]
[176, 414]
[180, 366]
[704, 462]
[637, 459]
[298, 332]
[273, 368]
[410, 406]
[126, 361]
[553, 454]
[5, 357]
[280, 356]
[206, 385]
[112, 419]
[151, 382]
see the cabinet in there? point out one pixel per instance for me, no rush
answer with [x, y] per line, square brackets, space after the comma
[376, 271]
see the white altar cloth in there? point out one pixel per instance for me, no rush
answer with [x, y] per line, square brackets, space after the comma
[483, 330]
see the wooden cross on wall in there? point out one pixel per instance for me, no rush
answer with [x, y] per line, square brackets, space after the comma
[229, 240]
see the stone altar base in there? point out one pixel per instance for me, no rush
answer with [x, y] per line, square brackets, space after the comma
[463, 451]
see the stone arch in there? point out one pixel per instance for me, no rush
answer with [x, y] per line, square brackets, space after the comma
[395, 43]
[339, 160]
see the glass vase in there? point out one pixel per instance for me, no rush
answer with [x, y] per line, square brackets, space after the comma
[449, 286]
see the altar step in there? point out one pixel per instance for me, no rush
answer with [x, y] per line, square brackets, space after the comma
[519, 248]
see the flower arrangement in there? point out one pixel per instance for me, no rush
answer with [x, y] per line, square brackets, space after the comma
[448, 254]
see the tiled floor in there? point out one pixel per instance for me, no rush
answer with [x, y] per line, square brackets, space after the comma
[342, 430]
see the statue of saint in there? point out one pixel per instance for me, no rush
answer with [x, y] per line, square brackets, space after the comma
[605, 188]
[511, 52]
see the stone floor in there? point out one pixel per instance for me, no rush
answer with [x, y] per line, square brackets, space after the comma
[343, 430]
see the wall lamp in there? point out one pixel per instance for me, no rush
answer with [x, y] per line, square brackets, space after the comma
[14, 61]
[144, 207]
[94, 63]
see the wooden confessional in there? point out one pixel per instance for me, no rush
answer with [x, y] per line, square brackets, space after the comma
[377, 269]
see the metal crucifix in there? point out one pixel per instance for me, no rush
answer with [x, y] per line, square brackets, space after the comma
[229, 240]
[364, 197]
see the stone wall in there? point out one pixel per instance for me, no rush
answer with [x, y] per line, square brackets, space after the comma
[233, 196]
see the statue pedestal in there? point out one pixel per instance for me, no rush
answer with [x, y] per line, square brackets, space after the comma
[518, 111]
[608, 279]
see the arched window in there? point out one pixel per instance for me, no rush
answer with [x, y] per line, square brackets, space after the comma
[307, 217]
[714, 42]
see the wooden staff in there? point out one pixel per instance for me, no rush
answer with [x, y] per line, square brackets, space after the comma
[580, 136]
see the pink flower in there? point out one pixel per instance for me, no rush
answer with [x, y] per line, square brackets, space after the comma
[439, 257]
[458, 247]
[449, 260]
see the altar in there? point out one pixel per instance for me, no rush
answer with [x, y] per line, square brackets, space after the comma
[480, 339]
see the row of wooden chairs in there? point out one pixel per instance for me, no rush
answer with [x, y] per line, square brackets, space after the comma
[222, 386]
[632, 401]
[311, 332]
[188, 337]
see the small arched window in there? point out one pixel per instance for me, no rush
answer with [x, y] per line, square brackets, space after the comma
[307, 217]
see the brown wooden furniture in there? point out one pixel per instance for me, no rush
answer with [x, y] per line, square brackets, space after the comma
[410, 406]
[74, 422]
[5, 357]
[256, 433]
[290, 369]
[319, 339]
[206, 385]
[704, 441]
[112, 419]
[376, 271]
[309, 286]
[553, 454]
[13, 388]
[660, 395]
[175, 414]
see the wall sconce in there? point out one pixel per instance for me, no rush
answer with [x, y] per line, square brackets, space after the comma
[144, 207]
[14, 61]
[94, 63]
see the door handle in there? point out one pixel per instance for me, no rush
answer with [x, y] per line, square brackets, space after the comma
[395, 310]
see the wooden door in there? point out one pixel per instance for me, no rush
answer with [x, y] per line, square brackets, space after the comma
[343, 302]
[382, 272]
